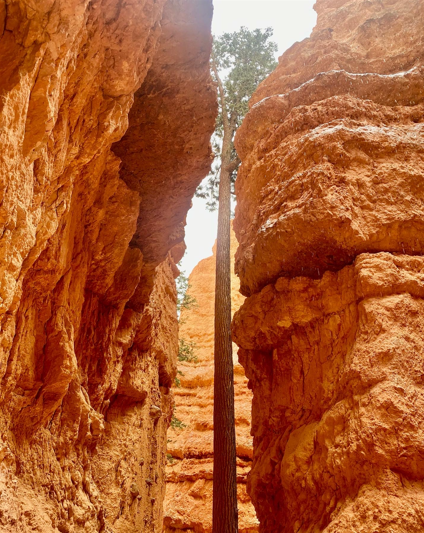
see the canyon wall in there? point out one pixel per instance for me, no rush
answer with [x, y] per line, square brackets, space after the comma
[106, 112]
[189, 474]
[330, 221]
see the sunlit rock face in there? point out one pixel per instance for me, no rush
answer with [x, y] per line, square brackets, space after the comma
[330, 224]
[189, 474]
[92, 215]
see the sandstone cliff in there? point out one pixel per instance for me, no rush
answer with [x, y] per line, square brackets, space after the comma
[106, 112]
[330, 221]
[189, 474]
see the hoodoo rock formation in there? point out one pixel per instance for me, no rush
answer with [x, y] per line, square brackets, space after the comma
[330, 221]
[106, 112]
[188, 502]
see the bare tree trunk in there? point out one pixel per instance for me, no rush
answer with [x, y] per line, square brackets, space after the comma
[225, 519]
[225, 515]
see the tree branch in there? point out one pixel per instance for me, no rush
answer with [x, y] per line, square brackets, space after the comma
[232, 166]
[221, 95]
[233, 122]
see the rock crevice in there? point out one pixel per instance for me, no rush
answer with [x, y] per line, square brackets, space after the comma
[189, 473]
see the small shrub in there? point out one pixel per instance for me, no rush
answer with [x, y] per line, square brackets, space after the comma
[184, 300]
[186, 352]
[171, 460]
[176, 423]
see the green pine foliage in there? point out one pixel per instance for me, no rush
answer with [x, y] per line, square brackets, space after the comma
[242, 59]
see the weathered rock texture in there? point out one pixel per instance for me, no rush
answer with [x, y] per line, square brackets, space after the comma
[88, 219]
[189, 476]
[330, 220]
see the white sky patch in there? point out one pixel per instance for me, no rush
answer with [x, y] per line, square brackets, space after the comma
[291, 20]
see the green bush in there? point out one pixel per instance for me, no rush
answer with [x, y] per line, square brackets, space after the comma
[186, 352]
[176, 423]
[184, 300]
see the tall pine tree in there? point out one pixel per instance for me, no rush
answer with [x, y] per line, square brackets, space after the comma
[240, 61]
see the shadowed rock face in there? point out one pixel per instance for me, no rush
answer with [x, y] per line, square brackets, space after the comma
[89, 332]
[330, 225]
[189, 473]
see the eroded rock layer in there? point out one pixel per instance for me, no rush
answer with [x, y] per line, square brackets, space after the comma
[189, 474]
[330, 225]
[87, 294]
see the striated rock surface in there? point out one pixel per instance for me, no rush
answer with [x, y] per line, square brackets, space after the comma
[92, 212]
[330, 225]
[336, 369]
[189, 473]
[324, 142]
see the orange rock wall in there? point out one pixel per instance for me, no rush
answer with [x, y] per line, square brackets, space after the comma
[330, 223]
[91, 206]
[189, 473]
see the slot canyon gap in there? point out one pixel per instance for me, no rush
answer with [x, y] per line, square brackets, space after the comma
[106, 113]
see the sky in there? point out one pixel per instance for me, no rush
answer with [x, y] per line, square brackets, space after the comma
[292, 21]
